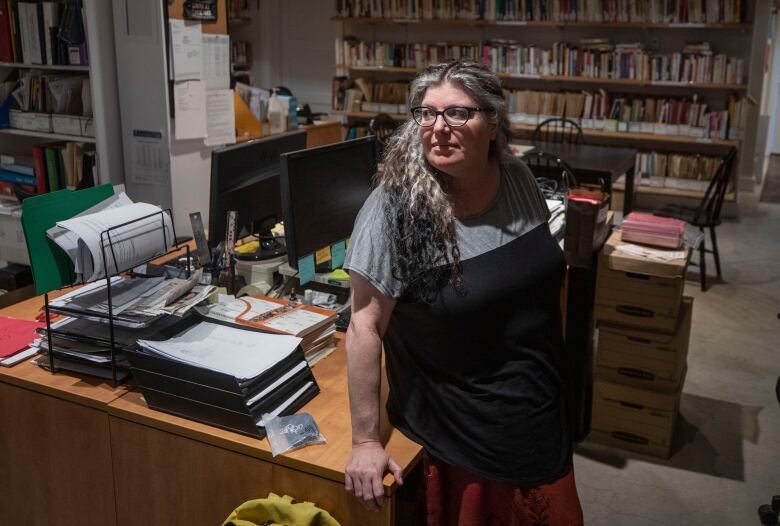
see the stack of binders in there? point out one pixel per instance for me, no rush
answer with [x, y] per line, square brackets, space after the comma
[221, 375]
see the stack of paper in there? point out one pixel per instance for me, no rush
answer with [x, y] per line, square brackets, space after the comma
[314, 325]
[557, 219]
[113, 236]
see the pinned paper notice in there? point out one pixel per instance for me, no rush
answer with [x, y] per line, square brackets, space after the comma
[216, 61]
[186, 50]
[220, 118]
[306, 269]
[189, 100]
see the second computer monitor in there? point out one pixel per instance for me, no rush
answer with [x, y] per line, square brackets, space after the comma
[245, 178]
[323, 190]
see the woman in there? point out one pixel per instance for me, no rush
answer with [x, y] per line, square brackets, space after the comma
[453, 269]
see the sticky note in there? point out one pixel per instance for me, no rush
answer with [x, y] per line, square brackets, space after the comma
[322, 255]
[306, 269]
[337, 251]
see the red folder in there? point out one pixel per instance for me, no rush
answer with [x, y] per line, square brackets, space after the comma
[16, 335]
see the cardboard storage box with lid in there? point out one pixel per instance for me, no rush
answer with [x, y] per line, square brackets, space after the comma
[639, 292]
[645, 359]
[635, 419]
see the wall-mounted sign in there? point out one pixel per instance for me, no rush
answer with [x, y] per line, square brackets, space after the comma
[200, 10]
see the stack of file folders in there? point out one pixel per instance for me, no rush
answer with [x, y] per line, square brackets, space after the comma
[222, 375]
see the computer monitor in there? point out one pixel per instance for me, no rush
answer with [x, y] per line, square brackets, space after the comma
[245, 178]
[323, 190]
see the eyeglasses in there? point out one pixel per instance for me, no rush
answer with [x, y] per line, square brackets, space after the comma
[454, 116]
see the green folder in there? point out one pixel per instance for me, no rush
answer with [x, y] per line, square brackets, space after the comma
[51, 267]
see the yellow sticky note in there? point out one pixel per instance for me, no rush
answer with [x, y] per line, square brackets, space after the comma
[322, 255]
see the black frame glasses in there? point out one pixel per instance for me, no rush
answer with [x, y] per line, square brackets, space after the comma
[470, 110]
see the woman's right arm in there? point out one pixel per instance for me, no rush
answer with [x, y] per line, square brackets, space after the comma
[369, 461]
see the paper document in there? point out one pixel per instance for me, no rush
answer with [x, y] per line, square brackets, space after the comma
[189, 99]
[126, 246]
[186, 50]
[652, 254]
[282, 379]
[216, 61]
[220, 118]
[240, 353]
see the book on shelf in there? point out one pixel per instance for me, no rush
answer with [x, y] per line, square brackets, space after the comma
[648, 11]
[42, 32]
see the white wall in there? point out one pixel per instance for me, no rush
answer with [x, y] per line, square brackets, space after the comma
[773, 144]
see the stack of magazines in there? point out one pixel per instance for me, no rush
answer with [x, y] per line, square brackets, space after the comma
[314, 325]
[221, 375]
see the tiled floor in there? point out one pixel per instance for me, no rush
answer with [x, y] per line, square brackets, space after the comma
[728, 454]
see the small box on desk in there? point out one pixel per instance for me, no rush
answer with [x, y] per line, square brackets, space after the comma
[587, 225]
[635, 419]
[645, 359]
[638, 292]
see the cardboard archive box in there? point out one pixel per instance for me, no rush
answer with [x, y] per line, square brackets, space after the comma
[635, 419]
[638, 292]
[645, 359]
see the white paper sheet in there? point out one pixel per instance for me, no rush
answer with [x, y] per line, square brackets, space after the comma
[129, 245]
[216, 61]
[220, 118]
[186, 50]
[237, 352]
[189, 100]
[150, 158]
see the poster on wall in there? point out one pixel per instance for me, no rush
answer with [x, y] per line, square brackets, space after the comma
[150, 158]
[200, 10]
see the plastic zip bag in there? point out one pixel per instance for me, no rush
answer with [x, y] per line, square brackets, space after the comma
[288, 433]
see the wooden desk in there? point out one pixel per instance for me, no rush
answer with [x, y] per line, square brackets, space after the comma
[77, 451]
[56, 462]
[592, 163]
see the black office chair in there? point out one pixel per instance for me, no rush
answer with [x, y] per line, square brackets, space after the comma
[707, 214]
[558, 129]
[382, 126]
[553, 175]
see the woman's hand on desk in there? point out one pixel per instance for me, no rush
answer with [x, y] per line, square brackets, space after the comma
[365, 470]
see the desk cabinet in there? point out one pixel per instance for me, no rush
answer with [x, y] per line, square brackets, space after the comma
[55, 461]
[165, 478]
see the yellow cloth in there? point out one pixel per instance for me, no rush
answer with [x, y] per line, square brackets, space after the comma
[279, 511]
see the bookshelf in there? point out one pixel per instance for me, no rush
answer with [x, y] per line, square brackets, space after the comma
[106, 141]
[732, 38]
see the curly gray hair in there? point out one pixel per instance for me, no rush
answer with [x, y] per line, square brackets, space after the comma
[419, 213]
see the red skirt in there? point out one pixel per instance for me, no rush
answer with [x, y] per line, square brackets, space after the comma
[456, 497]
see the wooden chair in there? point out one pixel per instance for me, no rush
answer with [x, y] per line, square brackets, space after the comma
[553, 175]
[558, 129]
[382, 126]
[707, 214]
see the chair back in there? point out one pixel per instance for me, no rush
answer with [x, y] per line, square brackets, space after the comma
[553, 175]
[712, 202]
[382, 126]
[558, 129]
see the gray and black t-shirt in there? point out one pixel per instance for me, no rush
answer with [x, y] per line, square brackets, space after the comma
[517, 208]
[475, 376]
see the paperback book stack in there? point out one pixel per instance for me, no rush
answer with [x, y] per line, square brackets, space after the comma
[221, 375]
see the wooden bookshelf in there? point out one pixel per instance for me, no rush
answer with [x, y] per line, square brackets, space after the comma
[670, 192]
[542, 24]
[50, 67]
[560, 79]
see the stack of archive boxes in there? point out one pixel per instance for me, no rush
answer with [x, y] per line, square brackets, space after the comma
[644, 326]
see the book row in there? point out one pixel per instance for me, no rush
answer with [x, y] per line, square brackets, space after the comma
[52, 166]
[651, 11]
[615, 112]
[43, 32]
[622, 61]
[673, 170]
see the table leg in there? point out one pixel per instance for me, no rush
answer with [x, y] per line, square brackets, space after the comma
[628, 199]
